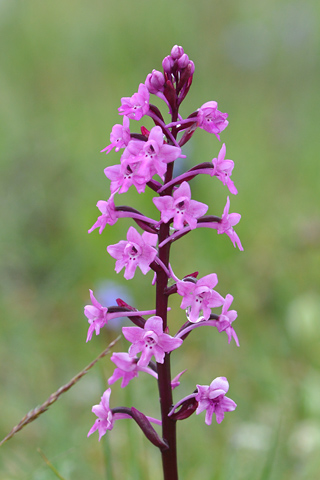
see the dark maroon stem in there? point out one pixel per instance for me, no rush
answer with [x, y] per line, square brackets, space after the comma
[169, 456]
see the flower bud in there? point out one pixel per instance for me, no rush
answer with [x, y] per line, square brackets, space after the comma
[183, 61]
[177, 52]
[167, 64]
[191, 64]
[155, 82]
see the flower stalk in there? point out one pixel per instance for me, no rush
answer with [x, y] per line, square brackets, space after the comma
[151, 153]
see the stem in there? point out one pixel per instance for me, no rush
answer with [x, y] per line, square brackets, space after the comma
[169, 456]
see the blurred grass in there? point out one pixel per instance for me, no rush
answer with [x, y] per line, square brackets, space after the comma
[64, 68]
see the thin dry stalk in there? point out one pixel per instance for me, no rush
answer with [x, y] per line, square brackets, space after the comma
[36, 412]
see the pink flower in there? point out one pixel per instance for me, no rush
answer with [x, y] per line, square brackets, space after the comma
[137, 251]
[125, 175]
[212, 399]
[223, 168]
[150, 340]
[211, 119]
[226, 318]
[97, 316]
[180, 207]
[199, 297]
[127, 368]
[155, 154]
[119, 136]
[105, 416]
[140, 161]
[226, 224]
[137, 106]
[109, 214]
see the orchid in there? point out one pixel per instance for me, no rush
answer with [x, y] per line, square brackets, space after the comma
[119, 136]
[97, 316]
[127, 368]
[212, 399]
[109, 215]
[227, 222]
[180, 207]
[150, 340]
[223, 168]
[137, 106]
[226, 318]
[211, 119]
[200, 297]
[125, 175]
[137, 251]
[154, 152]
[106, 418]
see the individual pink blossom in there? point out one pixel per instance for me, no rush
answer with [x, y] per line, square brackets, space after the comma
[125, 175]
[137, 251]
[140, 161]
[119, 136]
[106, 418]
[211, 119]
[109, 214]
[223, 168]
[97, 316]
[212, 399]
[180, 207]
[227, 222]
[137, 106]
[150, 340]
[127, 368]
[226, 318]
[199, 297]
[155, 154]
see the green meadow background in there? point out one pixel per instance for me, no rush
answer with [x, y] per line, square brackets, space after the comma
[64, 65]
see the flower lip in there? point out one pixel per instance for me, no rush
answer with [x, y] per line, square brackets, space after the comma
[133, 250]
[151, 339]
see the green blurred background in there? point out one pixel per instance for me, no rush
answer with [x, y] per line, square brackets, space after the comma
[64, 65]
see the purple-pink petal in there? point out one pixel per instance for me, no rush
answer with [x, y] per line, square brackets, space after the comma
[168, 343]
[219, 383]
[146, 355]
[209, 281]
[154, 324]
[133, 334]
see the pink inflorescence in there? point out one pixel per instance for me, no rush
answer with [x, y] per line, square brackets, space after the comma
[148, 159]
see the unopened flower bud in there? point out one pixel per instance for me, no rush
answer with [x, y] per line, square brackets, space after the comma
[177, 52]
[155, 82]
[167, 64]
[191, 64]
[183, 61]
